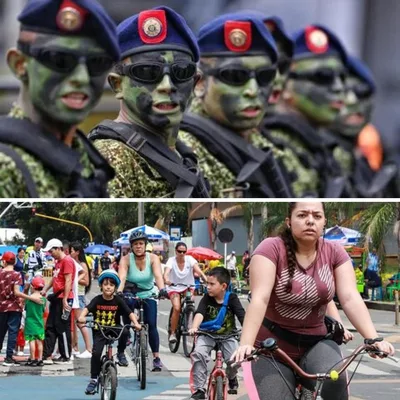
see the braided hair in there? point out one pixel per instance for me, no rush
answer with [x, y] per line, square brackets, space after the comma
[291, 247]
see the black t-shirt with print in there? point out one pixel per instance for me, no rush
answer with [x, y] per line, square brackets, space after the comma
[209, 309]
[108, 312]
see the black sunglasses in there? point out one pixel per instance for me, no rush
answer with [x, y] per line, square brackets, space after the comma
[362, 91]
[181, 251]
[239, 76]
[322, 76]
[181, 71]
[65, 62]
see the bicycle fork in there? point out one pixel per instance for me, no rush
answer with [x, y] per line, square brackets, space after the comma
[218, 371]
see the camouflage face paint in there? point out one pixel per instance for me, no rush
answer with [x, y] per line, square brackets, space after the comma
[320, 103]
[65, 98]
[159, 105]
[237, 107]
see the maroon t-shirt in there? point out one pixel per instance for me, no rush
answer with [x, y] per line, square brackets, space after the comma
[64, 266]
[303, 309]
[8, 300]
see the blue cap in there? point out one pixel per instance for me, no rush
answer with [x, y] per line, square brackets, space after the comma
[317, 40]
[239, 33]
[72, 17]
[361, 70]
[158, 28]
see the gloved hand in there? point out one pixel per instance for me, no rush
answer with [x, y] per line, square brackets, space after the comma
[163, 294]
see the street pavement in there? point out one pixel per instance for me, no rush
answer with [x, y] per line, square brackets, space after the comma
[372, 379]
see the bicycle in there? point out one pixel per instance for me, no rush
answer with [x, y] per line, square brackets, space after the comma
[184, 323]
[217, 387]
[270, 347]
[139, 347]
[108, 379]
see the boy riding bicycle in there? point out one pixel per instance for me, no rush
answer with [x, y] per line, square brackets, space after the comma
[107, 310]
[216, 313]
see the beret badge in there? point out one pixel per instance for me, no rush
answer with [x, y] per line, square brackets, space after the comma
[238, 35]
[316, 40]
[70, 17]
[152, 27]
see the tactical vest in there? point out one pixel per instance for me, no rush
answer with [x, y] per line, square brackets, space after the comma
[182, 173]
[61, 160]
[257, 171]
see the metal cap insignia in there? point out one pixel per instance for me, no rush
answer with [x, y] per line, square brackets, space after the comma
[238, 37]
[318, 38]
[69, 19]
[152, 27]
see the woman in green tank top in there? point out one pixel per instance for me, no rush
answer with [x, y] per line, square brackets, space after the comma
[138, 271]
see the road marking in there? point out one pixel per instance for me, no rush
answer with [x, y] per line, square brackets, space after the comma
[166, 397]
[365, 370]
[166, 313]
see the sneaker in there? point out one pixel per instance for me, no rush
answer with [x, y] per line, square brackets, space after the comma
[39, 363]
[20, 354]
[92, 387]
[48, 361]
[85, 354]
[122, 361]
[75, 352]
[172, 338]
[10, 362]
[233, 386]
[157, 364]
[31, 363]
[62, 360]
[199, 395]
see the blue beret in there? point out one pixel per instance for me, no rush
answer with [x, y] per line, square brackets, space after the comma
[158, 28]
[361, 70]
[72, 17]
[239, 33]
[315, 40]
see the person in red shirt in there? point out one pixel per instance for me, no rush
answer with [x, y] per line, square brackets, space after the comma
[293, 278]
[59, 322]
[11, 306]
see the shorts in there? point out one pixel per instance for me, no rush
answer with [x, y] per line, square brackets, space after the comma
[82, 301]
[31, 338]
[181, 293]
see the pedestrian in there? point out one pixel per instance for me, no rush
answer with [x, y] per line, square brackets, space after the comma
[231, 262]
[20, 265]
[84, 283]
[215, 313]
[59, 322]
[246, 263]
[34, 323]
[293, 280]
[36, 261]
[65, 49]
[154, 84]
[105, 261]
[373, 261]
[11, 306]
[115, 308]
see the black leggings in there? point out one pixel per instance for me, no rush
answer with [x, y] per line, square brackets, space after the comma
[263, 379]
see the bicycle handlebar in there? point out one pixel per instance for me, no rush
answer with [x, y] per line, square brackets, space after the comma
[102, 328]
[131, 296]
[270, 346]
[213, 336]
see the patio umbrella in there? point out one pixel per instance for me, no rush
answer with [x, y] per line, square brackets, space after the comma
[342, 235]
[203, 253]
[98, 249]
[152, 233]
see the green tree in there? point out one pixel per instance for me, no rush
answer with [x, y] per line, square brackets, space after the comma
[163, 215]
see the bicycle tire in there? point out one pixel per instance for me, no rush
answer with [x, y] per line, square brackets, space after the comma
[219, 389]
[137, 355]
[142, 359]
[173, 347]
[109, 384]
[188, 341]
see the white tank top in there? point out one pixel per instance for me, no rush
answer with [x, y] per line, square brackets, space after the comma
[184, 276]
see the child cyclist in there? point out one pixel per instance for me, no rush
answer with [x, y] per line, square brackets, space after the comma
[216, 313]
[34, 322]
[107, 309]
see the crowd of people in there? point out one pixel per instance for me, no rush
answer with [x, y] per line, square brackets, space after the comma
[243, 109]
[293, 278]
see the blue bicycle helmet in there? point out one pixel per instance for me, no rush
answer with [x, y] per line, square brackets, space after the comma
[110, 274]
[137, 235]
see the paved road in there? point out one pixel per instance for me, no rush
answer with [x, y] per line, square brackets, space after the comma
[373, 379]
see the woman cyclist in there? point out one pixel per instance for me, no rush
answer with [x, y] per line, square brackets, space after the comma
[179, 272]
[293, 277]
[138, 270]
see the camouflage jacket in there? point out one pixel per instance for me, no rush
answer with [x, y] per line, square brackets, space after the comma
[48, 184]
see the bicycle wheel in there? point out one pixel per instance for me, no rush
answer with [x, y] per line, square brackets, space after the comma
[219, 388]
[110, 382]
[188, 341]
[137, 355]
[142, 359]
[173, 347]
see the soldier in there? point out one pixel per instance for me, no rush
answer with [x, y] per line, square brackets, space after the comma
[239, 63]
[154, 83]
[64, 53]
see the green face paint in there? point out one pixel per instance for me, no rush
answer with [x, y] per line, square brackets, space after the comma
[319, 101]
[160, 104]
[237, 107]
[65, 97]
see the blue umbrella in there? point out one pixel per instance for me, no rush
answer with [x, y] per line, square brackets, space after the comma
[152, 233]
[98, 249]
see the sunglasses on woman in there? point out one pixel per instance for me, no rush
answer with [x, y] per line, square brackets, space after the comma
[181, 251]
[65, 62]
[239, 76]
[181, 71]
[322, 76]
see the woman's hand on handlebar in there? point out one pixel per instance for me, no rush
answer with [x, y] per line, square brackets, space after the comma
[242, 352]
[385, 347]
[192, 331]
[137, 326]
